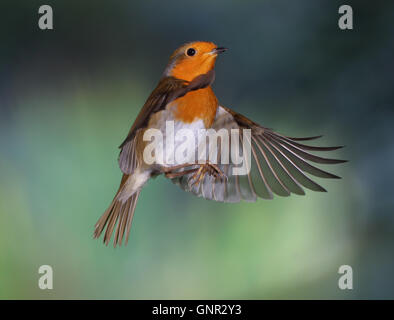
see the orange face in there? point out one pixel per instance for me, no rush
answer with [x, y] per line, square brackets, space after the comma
[192, 60]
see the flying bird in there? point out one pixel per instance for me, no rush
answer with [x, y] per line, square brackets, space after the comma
[278, 164]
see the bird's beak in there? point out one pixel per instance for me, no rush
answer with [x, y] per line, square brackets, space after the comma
[219, 50]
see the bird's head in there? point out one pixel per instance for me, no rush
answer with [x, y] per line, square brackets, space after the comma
[193, 59]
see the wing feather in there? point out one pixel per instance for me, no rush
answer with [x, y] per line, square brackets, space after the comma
[279, 164]
[284, 191]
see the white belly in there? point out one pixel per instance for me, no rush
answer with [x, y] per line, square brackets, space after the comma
[179, 141]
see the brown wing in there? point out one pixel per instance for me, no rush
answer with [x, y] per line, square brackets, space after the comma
[168, 89]
[279, 165]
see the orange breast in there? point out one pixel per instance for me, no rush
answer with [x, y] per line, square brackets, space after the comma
[196, 105]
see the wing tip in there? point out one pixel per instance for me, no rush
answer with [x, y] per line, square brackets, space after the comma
[304, 138]
[320, 189]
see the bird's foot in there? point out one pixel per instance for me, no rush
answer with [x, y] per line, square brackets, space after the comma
[204, 169]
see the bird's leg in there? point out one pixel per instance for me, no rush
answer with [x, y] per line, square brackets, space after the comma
[172, 175]
[170, 172]
[198, 173]
[206, 168]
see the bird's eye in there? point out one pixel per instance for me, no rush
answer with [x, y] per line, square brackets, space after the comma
[191, 52]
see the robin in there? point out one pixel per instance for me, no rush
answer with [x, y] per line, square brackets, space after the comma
[278, 163]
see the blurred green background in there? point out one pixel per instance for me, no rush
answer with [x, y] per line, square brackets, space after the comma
[69, 96]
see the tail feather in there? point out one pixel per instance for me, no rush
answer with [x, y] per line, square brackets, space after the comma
[120, 214]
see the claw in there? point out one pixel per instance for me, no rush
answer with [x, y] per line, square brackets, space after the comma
[196, 176]
[210, 168]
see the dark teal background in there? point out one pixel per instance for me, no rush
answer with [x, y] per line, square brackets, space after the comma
[69, 96]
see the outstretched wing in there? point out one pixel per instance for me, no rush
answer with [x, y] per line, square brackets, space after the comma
[168, 89]
[279, 165]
